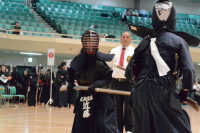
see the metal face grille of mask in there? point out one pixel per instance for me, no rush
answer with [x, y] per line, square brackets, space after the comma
[163, 10]
[90, 42]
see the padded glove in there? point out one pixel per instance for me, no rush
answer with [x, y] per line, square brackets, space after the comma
[97, 84]
[70, 85]
[183, 95]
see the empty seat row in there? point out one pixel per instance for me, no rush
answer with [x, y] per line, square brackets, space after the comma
[138, 18]
[86, 26]
[79, 33]
[3, 8]
[80, 30]
[186, 26]
[16, 14]
[65, 15]
[35, 29]
[59, 10]
[73, 21]
[37, 34]
[14, 1]
[24, 23]
[25, 28]
[15, 5]
[81, 5]
[49, 19]
[38, 8]
[19, 18]
[50, 8]
[6, 26]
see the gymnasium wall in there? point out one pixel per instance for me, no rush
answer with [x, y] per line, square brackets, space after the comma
[22, 60]
[64, 49]
[181, 6]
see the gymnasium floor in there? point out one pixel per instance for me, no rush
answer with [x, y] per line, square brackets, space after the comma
[43, 119]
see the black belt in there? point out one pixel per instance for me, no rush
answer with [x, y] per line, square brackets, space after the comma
[121, 79]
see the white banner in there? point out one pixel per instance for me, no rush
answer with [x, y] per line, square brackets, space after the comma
[50, 57]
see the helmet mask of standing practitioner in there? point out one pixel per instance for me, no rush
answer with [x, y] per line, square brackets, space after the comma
[90, 42]
[164, 16]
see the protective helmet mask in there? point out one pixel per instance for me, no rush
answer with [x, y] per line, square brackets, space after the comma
[90, 42]
[164, 14]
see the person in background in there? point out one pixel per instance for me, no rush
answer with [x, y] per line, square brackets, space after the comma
[57, 81]
[17, 82]
[33, 87]
[63, 96]
[16, 29]
[119, 82]
[45, 96]
[126, 13]
[196, 86]
[196, 91]
[94, 26]
[135, 13]
[25, 80]
[143, 13]
[5, 75]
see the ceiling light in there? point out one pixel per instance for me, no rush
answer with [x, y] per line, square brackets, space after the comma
[30, 53]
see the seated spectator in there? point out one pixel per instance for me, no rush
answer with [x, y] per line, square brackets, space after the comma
[143, 13]
[126, 13]
[135, 13]
[16, 29]
[94, 26]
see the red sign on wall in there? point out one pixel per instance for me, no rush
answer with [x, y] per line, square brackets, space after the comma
[51, 55]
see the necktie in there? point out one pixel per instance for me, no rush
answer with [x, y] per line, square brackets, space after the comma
[121, 62]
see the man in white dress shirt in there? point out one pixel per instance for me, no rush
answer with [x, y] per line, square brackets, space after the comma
[119, 82]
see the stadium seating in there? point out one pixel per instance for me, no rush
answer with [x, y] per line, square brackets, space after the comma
[75, 18]
[22, 15]
[185, 22]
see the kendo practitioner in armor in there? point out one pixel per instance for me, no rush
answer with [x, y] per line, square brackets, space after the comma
[61, 97]
[56, 81]
[33, 87]
[45, 95]
[25, 82]
[94, 112]
[158, 61]
[16, 81]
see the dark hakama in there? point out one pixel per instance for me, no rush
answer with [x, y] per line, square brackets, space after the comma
[45, 96]
[32, 96]
[157, 110]
[156, 107]
[63, 97]
[101, 107]
[25, 80]
[102, 121]
[33, 90]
